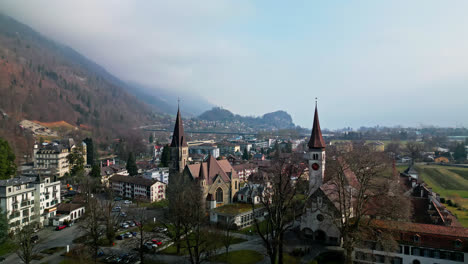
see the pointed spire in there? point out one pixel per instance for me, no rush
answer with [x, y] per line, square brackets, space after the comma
[178, 137]
[316, 140]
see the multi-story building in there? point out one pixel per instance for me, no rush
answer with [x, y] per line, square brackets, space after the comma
[159, 174]
[54, 156]
[227, 148]
[27, 199]
[206, 148]
[136, 187]
[245, 170]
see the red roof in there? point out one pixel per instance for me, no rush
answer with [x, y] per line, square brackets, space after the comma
[316, 140]
[210, 169]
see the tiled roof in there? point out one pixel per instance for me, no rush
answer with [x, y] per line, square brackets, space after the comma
[133, 179]
[68, 207]
[316, 140]
[211, 168]
[458, 232]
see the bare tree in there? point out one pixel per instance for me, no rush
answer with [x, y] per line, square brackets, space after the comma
[110, 220]
[175, 213]
[27, 248]
[142, 222]
[280, 201]
[414, 149]
[360, 186]
[226, 236]
[92, 227]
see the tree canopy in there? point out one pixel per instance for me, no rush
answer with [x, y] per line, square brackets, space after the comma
[7, 160]
[131, 165]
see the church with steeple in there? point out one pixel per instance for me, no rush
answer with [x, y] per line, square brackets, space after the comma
[218, 180]
[316, 223]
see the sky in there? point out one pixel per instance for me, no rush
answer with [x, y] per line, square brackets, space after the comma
[369, 62]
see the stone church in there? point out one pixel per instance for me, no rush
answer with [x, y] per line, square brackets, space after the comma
[218, 180]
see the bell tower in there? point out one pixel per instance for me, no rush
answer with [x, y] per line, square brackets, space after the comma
[316, 155]
[179, 147]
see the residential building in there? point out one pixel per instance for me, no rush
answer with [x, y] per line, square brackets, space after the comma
[227, 148]
[111, 170]
[29, 199]
[158, 150]
[251, 193]
[68, 212]
[245, 170]
[159, 174]
[137, 187]
[238, 215]
[206, 148]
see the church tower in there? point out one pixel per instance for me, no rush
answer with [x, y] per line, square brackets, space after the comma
[179, 147]
[316, 155]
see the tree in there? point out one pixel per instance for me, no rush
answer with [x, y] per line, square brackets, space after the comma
[226, 237]
[361, 184]
[131, 165]
[110, 219]
[27, 248]
[3, 227]
[151, 138]
[7, 160]
[76, 161]
[460, 153]
[142, 220]
[90, 151]
[414, 150]
[245, 155]
[92, 227]
[175, 213]
[95, 171]
[289, 147]
[166, 156]
[281, 203]
[393, 148]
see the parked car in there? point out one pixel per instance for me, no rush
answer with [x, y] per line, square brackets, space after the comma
[118, 199]
[60, 227]
[160, 229]
[123, 214]
[134, 234]
[157, 242]
[124, 225]
[116, 209]
[120, 237]
[127, 202]
[132, 223]
[150, 245]
[128, 235]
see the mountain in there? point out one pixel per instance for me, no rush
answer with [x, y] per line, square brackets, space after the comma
[163, 100]
[49, 82]
[275, 120]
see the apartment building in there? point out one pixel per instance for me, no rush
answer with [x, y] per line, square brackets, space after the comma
[29, 199]
[206, 148]
[137, 187]
[54, 156]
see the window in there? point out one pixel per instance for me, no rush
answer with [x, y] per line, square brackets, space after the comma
[416, 238]
[219, 195]
[320, 217]
[9, 189]
[458, 243]
[235, 186]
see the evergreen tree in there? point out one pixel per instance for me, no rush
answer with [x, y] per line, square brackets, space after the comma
[131, 165]
[166, 156]
[95, 171]
[7, 160]
[90, 158]
[3, 227]
[151, 139]
[289, 147]
[245, 155]
[460, 153]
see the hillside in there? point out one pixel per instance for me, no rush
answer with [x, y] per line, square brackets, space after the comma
[48, 82]
[275, 120]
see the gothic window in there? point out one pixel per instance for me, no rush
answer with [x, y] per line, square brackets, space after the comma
[219, 195]
[320, 217]
[235, 186]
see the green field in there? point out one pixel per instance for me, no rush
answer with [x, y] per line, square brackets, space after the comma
[240, 256]
[450, 183]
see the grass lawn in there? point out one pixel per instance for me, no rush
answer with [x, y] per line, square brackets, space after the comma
[8, 246]
[236, 208]
[451, 183]
[329, 258]
[159, 204]
[291, 259]
[240, 256]
[53, 250]
[252, 230]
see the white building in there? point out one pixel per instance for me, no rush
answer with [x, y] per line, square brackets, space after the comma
[206, 148]
[136, 187]
[68, 212]
[239, 214]
[159, 174]
[29, 199]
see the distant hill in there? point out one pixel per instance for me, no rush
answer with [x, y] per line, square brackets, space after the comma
[49, 82]
[275, 120]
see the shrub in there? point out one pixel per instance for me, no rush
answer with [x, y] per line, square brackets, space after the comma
[442, 200]
[449, 203]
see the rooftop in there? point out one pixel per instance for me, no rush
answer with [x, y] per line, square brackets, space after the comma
[17, 181]
[133, 179]
[236, 208]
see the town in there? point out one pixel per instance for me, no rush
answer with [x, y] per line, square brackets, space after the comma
[233, 132]
[253, 198]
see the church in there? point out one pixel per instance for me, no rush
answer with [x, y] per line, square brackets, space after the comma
[218, 180]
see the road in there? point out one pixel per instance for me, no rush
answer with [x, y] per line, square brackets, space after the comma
[49, 238]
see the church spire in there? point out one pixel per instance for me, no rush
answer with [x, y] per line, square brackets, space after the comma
[316, 140]
[178, 137]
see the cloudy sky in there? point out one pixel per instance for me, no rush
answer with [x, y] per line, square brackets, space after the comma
[369, 62]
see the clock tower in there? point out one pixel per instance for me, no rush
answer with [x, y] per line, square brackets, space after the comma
[316, 155]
